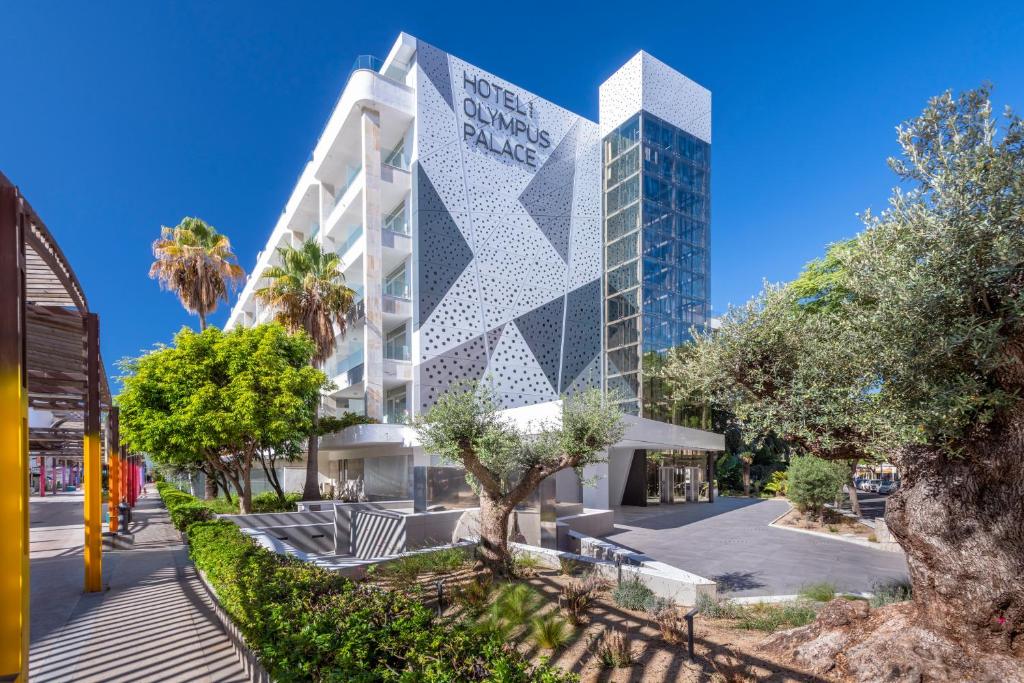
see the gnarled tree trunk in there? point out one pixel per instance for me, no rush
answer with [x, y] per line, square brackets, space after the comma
[209, 485]
[494, 551]
[961, 522]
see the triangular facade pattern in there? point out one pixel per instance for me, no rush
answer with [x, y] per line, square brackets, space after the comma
[508, 252]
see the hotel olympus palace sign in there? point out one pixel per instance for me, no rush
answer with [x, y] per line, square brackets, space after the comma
[500, 122]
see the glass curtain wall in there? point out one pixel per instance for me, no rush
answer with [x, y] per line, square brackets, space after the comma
[657, 216]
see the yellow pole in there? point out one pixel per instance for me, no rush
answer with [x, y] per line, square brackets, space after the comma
[93, 466]
[14, 470]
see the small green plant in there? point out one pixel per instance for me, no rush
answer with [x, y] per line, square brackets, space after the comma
[576, 599]
[814, 482]
[222, 506]
[516, 603]
[771, 617]
[526, 564]
[776, 485]
[612, 648]
[822, 591]
[473, 595]
[655, 605]
[269, 502]
[632, 594]
[670, 626]
[714, 608]
[890, 592]
[833, 529]
[550, 631]
[569, 566]
[411, 567]
[872, 538]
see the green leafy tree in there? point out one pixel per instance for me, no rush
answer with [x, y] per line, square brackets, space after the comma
[812, 482]
[308, 293]
[218, 398]
[506, 463]
[913, 351]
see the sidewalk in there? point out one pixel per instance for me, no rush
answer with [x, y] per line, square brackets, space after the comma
[152, 622]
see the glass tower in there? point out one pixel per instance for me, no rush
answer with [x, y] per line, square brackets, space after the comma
[656, 237]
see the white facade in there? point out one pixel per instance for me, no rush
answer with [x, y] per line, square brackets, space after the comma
[468, 216]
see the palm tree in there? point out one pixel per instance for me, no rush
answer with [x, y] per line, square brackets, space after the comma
[195, 262]
[308, 293]
[746, 457]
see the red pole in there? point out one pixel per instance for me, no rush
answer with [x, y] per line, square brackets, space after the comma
[42, 476]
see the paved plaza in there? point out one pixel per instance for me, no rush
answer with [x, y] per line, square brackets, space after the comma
[153, 620]
[730, 542]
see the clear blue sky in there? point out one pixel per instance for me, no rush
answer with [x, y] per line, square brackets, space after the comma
[118, 118]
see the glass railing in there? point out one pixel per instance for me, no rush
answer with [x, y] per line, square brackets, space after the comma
[342, 365]
[314, 231]
[368, 62]
[399, 290]
[396, 351]
[351, 174]
[352, 238]
[396, 223]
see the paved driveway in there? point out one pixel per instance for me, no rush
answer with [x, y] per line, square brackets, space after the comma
[731, 543]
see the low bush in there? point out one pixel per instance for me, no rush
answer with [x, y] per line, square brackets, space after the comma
[473, 595]
[771, 617]
[890, 592]
[411, 567]
[714, 608]
[269, 502]
[185, 515]
[632, 593]
[309, 624]
[818, 592]
[812, 482]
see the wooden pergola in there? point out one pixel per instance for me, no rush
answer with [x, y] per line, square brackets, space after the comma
[54, 403]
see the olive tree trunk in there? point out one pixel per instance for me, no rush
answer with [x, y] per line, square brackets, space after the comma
[746, 478]
[961, 522]
[494, 551]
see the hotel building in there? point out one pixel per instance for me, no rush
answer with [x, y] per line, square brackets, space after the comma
[492, 235]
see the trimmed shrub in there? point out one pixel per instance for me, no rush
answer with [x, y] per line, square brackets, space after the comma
[309, 624]
[632, 594]
[814, 482]
[185, 515]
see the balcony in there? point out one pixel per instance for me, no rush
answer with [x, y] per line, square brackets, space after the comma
[346, 372]
[357, 313]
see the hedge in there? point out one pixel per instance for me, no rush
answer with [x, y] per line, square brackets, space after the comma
[306, 623]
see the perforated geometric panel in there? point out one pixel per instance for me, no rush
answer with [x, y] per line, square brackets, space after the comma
[582, 317]
[542, 330]
[532, 234]
[443, 251]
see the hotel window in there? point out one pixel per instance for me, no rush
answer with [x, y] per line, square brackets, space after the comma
[396, 409]
[396, 283]
[395, 221]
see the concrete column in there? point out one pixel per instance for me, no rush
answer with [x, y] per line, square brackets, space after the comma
[595, 490]
[373, 350]
[42, 476]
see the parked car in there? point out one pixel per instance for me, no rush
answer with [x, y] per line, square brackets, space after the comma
[887, 487]
[873, 485]
[858, 482]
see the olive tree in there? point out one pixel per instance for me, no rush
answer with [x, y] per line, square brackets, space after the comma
[505, 463]
[912, 349]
